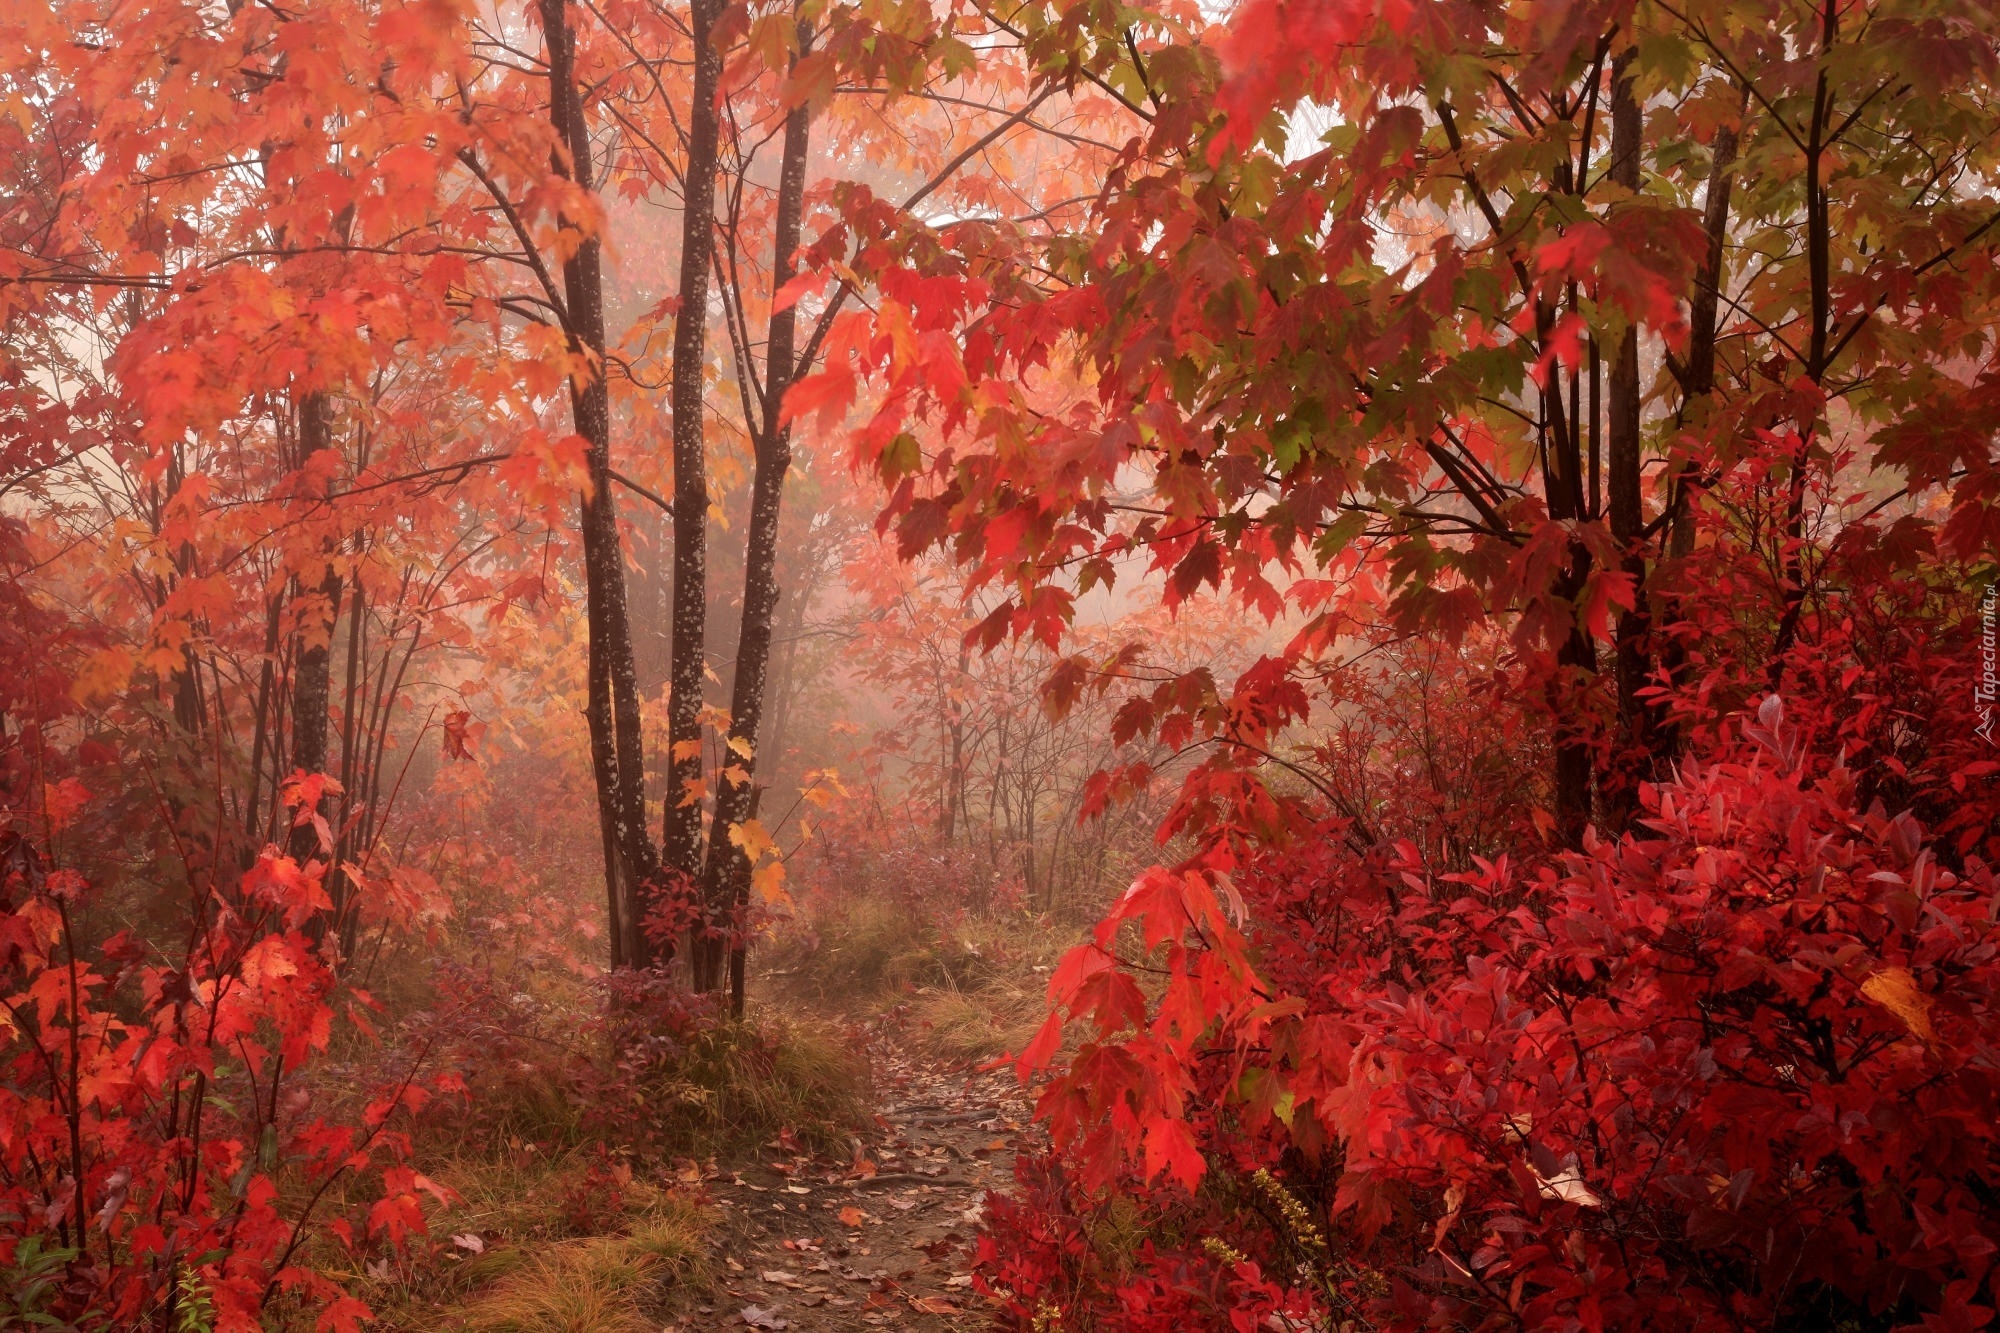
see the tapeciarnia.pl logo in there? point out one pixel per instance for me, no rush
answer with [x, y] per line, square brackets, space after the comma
[1988, 684]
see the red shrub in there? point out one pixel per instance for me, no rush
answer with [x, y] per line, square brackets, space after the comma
[149, 1112]
[1738, 1069]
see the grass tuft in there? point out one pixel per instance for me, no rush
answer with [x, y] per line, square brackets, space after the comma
[971, 987]
[740, 1083]
[619, 1283]
[975, 1027]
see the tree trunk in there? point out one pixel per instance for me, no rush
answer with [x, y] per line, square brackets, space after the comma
[726, 879]
[312, 686]
[1697, 382]
[1819, 289]
[1576, 656]
[266, 683]
[1632, 760]
[783, 682]
[680, 835]
[338, 890]
[616, 742]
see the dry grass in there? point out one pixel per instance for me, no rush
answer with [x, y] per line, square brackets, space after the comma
[601, 1284]
[977, 1026]
[535, 1278]
[582, 1231]
[972, 990]
[741, 1083]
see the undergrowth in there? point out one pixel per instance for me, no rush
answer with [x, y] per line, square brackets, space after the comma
[573, 1163]
[962, 986]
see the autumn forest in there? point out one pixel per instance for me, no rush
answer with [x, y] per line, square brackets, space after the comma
[1060, 665]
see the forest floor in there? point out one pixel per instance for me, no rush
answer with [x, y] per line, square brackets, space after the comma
[884, 1240]
[822, 1168]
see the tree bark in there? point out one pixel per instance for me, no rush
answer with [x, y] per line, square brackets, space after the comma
[1576, 656]
[726, 877]
[616, 741]
[266, 682]
[1633, 759]
[1697, 382]
[312, 685]
[681, 824]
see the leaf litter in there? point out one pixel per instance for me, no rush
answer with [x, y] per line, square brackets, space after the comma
[885, 1239]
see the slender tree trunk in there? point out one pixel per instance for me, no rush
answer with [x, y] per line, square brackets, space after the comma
[777, 722]
[266, 680]
[1576, 656]
[726, 881]
[617, 744]
[189, 712]
[1632, 762]
[1697, 382]
[338, 890]
[681, 823]
[1819, 272]
[1698, 373]
[312, 685]
[311, 706]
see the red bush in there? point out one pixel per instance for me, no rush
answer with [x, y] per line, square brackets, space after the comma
[152, 1133]
[1738, 1069]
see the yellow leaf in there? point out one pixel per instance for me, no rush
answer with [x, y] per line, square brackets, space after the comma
[751, 837]
[769, 881]
[742, 748]
[104, 673]
[1896, 990]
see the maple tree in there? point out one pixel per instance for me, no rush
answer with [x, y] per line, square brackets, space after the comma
[1344, 383]
[1582, 341]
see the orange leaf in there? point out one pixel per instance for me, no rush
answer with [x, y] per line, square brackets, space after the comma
[1896, 990]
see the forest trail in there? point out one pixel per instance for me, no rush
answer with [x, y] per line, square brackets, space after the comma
[816, 1246]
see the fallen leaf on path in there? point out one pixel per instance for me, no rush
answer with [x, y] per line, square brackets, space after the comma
[852, 1217]
[758, 1316]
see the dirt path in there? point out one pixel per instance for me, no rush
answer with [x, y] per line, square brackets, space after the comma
[814, 1246]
